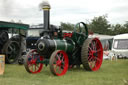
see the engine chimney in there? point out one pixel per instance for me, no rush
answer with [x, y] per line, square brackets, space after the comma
[46, 9]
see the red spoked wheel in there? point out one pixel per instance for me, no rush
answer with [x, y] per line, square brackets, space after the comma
[31, 64]
[59, 63]
[92, 54]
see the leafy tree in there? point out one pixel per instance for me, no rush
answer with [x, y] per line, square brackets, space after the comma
[126, 25]
[117, 29]
[67, 26]
[100, 25]
[120, 29]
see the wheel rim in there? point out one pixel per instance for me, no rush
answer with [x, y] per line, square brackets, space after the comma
[95, 54]
[32, 65]
[59, 63]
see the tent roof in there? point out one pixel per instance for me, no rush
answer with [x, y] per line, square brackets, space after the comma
[4, 24]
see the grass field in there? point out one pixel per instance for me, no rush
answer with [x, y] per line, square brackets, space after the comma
[110, 73]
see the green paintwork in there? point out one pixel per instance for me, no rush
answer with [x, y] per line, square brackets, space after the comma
[70, 47]
[13, 25]
[60, 45]
[80, 34]
[45, 61]
[64, 45]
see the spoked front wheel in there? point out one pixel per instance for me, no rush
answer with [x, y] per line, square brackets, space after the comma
[92, 54]
[59, 63]
[31, 64]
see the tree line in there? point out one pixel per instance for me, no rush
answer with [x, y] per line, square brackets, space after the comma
[100, 25]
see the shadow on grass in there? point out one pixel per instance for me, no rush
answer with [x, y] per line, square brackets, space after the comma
[46, 71]
[77, 69]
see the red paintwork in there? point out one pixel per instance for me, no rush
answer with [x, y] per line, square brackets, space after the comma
[32, 65]
[95, 49]
[67, 35]
[61, 63]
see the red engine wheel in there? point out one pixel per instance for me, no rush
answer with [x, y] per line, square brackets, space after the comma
[92, 54]
[59, 63]
[31, 64]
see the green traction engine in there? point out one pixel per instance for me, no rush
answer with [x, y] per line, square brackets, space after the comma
[64, 50]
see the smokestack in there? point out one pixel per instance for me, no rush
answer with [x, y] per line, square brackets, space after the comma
[46, 9]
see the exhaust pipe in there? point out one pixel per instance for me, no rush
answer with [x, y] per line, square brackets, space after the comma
[46, 9]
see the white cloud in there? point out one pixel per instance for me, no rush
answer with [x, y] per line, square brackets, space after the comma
[64, 10]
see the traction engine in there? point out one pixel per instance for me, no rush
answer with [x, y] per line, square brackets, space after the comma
[64, 50]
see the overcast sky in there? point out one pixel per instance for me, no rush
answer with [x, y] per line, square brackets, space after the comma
[71, 11]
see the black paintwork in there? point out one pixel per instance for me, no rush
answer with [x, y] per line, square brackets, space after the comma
[31, 42]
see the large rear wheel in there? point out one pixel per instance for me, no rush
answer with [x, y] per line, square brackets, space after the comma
[92, 54]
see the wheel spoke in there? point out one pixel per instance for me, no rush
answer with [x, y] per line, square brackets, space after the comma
[90, 64]
[90, 48]
[58, 57]
[79, 39]
[95, 65]
[98, 59]
[62, 59]
[56, 68]
[89, 56]
[92, 45]
[35, 67]
[10, 48]
[60, 69]
[95, 46]
[98, 50]
[29, 64]
[32, 68]
[90, 59]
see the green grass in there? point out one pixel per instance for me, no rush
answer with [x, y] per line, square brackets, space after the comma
[110, 73]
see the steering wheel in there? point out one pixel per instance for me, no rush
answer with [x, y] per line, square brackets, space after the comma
[80, 33]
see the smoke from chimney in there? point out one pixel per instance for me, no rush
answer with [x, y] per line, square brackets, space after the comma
[44, 3]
